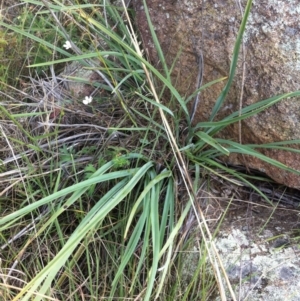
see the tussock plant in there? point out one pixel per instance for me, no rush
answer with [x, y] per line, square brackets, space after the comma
[97, 189]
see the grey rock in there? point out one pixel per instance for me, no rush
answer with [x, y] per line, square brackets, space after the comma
[280, 243]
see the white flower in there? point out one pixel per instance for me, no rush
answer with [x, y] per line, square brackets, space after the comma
[67, 45]
[87, 100]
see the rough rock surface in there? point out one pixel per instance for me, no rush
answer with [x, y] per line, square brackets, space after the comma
[272, 65]
[260, 252]
[258, 270]
[258, 243]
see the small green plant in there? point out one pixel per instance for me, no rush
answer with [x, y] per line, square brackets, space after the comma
[108, 226]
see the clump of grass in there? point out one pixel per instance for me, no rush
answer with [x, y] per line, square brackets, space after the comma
[89, 200]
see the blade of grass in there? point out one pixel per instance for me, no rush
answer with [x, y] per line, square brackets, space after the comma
[233, 64]
[49, 272]
[235, 147]
[212, 142]
[154, 214]
[156, 43]
[146, 190]
[251, 110]
[97, 177]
